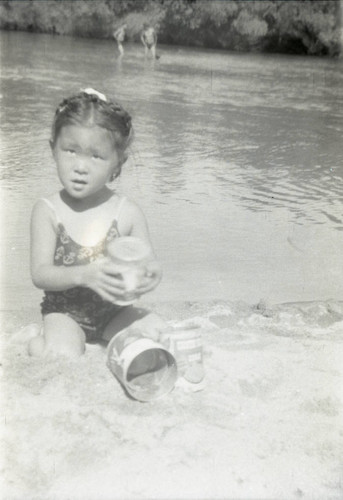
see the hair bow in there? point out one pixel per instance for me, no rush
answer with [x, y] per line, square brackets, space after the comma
[99, 95]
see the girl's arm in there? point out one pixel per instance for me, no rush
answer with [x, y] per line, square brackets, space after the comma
[47, 276]
[133, 223]
[43, 240]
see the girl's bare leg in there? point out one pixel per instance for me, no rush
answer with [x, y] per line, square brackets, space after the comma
[150, 324]
[36, 346]
[61, 335]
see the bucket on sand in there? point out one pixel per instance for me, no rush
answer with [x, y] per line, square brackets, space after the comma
[144, 367]
[131, 255]
[185, 344]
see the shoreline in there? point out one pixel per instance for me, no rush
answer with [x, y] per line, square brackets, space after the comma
[178, 310]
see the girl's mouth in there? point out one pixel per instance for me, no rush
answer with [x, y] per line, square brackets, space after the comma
[78, 184]
[79, 181]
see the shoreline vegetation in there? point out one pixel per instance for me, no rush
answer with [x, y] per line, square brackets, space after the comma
[304, 27]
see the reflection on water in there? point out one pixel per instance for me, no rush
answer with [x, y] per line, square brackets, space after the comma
[236, 161]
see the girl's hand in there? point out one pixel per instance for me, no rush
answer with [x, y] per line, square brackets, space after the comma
[104, 278]
[151, 278]
[152, 326]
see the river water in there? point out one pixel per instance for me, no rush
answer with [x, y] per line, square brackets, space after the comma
[237, 163]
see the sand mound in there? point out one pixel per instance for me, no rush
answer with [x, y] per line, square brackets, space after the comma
[267, 424]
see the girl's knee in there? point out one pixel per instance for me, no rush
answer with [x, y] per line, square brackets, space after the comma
[63, 335]
[153, 320]
[151, 326]
[36, 346]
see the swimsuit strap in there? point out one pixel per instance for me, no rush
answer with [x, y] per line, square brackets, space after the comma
[51, 205]
[120, 207]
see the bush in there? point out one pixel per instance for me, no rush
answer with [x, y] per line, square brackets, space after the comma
[307, 26]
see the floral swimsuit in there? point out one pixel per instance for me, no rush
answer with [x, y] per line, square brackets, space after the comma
[82, 304]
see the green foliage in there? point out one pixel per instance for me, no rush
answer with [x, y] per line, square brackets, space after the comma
[298, 26]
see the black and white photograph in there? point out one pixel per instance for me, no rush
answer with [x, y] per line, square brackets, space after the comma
[172, 249]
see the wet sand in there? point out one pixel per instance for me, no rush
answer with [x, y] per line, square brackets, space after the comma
[267, 425]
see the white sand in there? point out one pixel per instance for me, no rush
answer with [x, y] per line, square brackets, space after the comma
[268, 424]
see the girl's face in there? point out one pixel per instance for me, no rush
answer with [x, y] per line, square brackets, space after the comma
[86, 159]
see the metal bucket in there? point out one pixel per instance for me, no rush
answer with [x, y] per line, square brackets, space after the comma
[145, 368]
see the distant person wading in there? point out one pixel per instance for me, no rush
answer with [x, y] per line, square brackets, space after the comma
[119, 36]
[149, 40]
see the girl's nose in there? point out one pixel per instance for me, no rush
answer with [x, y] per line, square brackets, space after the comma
[81, 167]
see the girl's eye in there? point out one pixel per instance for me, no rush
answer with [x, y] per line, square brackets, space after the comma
[97, 157]
[71, 151]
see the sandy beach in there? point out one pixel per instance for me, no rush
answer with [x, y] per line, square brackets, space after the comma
[267, 425]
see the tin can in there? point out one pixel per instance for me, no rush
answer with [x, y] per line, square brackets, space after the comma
[145, 368]
[186, 345]
[131, 254]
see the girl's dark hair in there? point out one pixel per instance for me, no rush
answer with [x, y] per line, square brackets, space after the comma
[89, 109]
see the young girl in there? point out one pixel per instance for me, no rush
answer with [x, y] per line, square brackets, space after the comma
[71, 228]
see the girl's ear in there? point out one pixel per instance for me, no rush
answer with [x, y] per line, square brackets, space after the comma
[123, 159]
[116, 173]
[117, 170]
[53, 151]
